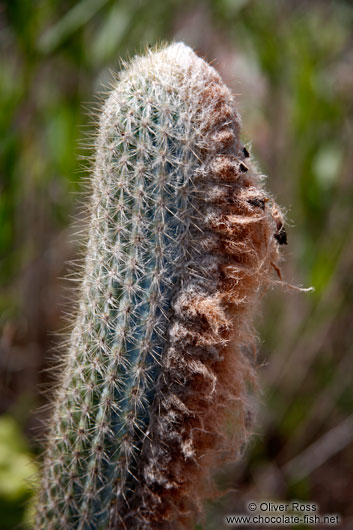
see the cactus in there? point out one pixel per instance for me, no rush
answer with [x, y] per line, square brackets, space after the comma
[181, 243]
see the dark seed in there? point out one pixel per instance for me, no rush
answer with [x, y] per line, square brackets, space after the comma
[281, 236]
[257, 202]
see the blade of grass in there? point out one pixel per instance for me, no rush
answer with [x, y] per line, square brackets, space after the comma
[74, 19]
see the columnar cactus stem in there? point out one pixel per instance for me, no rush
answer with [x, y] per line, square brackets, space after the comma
[181, 243]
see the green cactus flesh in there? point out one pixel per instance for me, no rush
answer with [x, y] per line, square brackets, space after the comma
[180, 244]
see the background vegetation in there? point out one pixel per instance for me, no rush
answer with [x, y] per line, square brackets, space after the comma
[290, 62]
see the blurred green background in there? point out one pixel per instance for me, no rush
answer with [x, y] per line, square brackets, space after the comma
[290, 64]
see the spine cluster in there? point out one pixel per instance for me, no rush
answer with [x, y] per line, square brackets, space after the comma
[180, 245]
